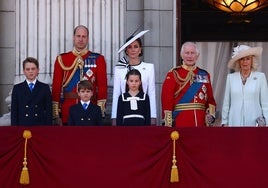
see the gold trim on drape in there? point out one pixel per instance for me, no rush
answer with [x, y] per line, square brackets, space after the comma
[24, 177]
[174, 177]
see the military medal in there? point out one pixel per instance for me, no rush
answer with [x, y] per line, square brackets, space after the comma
[201, 95]
[204, 89]
[89, 73]
[90, 63]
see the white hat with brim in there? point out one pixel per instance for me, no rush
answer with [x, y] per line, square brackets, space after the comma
[243, 51]
[132, 40]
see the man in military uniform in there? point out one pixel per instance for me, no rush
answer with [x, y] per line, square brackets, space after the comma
[187, 96]
[72, 67]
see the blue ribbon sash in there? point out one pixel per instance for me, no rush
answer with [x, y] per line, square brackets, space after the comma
[193, 89]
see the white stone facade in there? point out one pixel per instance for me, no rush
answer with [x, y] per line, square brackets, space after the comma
[43, 29]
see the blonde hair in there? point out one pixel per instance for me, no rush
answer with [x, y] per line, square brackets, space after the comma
[254, 65]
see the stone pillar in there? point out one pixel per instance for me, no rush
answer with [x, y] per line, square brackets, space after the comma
[7, 56]
[160, 44]
[44, 29]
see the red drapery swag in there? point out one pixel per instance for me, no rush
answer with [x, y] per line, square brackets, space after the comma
[134, 157]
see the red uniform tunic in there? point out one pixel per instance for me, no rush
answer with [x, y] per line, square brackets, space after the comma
[188, 107]
[69, 69]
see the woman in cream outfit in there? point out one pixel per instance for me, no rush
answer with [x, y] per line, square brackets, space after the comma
[246, 92]
[133, 50]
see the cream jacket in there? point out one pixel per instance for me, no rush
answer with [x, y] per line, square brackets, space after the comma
[243, 104]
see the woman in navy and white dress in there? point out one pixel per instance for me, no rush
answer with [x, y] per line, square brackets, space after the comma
[134, 52]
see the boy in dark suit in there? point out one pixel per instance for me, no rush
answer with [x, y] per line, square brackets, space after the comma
[85, 112]
[31, 100]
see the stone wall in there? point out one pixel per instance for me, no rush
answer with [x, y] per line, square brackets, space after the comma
[7, 53]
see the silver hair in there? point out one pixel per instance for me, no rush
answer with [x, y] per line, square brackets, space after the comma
[189, 44]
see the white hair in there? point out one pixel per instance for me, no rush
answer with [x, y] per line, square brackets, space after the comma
[189, 44]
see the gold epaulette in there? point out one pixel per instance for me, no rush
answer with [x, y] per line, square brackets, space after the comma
[63, 66]
[174, 68]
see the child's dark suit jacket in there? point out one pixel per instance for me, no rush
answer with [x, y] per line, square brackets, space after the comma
[31, 107]
[90, 116]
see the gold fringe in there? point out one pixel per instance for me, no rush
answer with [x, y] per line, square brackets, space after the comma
[24, 177]
[174, 177]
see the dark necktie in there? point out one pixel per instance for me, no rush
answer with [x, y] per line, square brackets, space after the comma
[31, 86]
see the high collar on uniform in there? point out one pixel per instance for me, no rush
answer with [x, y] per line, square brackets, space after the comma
[80, 53]
[189, 68]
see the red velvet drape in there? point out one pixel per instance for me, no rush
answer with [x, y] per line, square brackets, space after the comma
[134, 157]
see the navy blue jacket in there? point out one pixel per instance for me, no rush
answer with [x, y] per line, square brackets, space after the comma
[31, 108]
[81, 117]
[127, 116]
